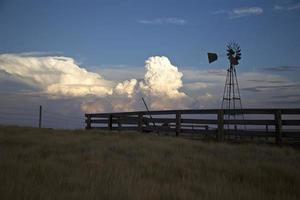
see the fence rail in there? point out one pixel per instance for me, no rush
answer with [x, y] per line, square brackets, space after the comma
[276, 123]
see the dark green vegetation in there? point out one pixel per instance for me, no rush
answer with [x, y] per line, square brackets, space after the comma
[53, 164]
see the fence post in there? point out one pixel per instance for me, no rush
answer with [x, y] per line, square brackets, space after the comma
[140, 122]
[119, 124]
[178, 123]
[40, 117]
[110, 121]
[220, 134]
[88, 122]
[278, 127]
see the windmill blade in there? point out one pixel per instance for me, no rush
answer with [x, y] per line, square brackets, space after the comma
[212, 57]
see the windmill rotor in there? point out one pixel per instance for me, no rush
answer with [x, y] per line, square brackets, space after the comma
[234, 53]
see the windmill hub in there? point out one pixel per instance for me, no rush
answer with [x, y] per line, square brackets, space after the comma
[234, 53]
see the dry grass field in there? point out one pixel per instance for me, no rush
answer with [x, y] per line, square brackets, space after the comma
[58, 164]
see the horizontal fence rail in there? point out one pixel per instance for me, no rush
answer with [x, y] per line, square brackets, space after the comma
[275, 123]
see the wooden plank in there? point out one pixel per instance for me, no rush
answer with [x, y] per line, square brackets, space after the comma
[98, 115]
[199, 121]
[100, 128]
[169, 112]
[133, 120]
[289, 134]
[162, 120]
[98, 121]
[199, 131]
[250, 122]
[290, 111]
[291, 122]
[249, 111]
[202, 111]
[130, 120]
[194, 126]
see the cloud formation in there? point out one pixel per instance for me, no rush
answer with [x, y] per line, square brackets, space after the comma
[162, 78]
[241, 12]
[61, 77]
[54, 75]
[162, 85]
[289, 7]
[169, 20]
[282, 68]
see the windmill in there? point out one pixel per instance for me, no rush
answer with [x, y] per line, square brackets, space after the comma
[231, 96]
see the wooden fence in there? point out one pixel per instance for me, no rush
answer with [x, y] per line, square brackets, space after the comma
[276, 123]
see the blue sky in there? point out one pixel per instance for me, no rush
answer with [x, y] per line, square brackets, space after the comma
[111, 32]
[76, 56]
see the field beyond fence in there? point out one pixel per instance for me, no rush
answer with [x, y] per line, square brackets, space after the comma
[280, 124]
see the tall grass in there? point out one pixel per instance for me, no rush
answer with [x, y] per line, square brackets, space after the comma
[53, 164]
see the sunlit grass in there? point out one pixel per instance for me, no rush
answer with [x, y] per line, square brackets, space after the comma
[53, 164]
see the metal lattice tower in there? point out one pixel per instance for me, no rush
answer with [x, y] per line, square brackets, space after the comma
[231, 96]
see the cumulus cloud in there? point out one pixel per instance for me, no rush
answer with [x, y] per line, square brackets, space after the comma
[54, 75]
[127, 88]
[162, 78]
[161, 87]
[60, 77]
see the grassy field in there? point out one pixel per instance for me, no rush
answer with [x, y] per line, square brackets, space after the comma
[52, 164]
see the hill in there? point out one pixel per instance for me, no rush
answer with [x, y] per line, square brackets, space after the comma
[59, 164]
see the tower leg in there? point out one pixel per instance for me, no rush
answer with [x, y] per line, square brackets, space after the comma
[232, 102]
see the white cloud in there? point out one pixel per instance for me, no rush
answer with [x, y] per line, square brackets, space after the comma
[127, 88]
[61, 77]
[93, 107]
[258, 89]
[163, 85]
[196, 85]
[170, 20]
[241, 12]
[161, 88]
[162, 78]
[54, 75]
[289, 7]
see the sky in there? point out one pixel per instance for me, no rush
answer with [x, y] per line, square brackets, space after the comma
[75, 56]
